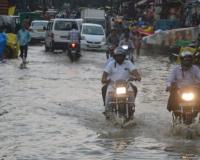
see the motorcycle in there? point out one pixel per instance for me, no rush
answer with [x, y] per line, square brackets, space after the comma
[129, 52]
[73, 51]
[188, 109]
[121, 103]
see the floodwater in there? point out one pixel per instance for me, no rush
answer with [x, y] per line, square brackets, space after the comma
[53, 111]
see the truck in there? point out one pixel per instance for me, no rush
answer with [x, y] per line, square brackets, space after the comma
[95, 16]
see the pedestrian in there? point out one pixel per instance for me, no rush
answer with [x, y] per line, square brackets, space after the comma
[137, 39]
[3, 41]
[23, 37]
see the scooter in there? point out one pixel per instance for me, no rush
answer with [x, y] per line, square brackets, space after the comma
[74, 51]
[129, 52]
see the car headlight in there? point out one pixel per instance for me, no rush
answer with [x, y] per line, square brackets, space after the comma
[125, 47]
[187, 96]
[121, 90]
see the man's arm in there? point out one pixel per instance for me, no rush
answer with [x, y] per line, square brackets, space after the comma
[171, 79]
[105, 79]
[135, 75]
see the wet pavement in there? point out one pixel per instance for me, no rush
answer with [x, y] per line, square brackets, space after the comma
[53, 111]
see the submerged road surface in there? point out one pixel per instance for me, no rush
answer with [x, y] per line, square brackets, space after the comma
[53, 111]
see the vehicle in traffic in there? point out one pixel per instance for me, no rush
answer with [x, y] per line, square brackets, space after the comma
[129, 52]
[96, 16]
[93, 37]
[187, 111]
[57, 33]
[37, 30]
[121, 103]
[74, 51]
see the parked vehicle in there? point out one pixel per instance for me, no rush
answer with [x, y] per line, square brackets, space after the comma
[37, 31]
[93, 37]
[57, 33]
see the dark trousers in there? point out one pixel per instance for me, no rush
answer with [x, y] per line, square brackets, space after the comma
[172, 101]
[23, 51]
[104, 90]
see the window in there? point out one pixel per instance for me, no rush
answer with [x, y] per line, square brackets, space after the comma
[64, 25]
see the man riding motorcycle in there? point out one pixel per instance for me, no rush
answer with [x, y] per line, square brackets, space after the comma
[130, 46]
[183, 75]
[118, 69]
[112, 41]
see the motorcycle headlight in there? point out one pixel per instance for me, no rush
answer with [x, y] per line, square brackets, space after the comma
[121, 90]
[125, 47]
[187, 96]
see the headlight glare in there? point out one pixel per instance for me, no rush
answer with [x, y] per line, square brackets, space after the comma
[187, 96]
[121, 90]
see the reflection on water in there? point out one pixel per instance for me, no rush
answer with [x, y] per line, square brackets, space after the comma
[53, 110]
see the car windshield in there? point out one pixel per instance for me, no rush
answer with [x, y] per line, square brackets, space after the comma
[95, 21]
[63, 25]
[93, 30]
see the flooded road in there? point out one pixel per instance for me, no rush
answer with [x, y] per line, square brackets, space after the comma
[53, 111]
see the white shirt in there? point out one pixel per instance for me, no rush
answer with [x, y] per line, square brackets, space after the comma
[119, 72]
[184, 78]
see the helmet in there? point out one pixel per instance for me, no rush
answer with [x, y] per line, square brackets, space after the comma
[186, 59]
[185, 54]
[119, 51]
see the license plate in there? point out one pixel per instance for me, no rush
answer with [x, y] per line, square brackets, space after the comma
[94, 46]
[63, 36]
[73, 51]
[40, 30]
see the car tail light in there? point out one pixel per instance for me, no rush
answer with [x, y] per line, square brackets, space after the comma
[73, 45]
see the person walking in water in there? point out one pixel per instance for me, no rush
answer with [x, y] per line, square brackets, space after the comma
[23, 36]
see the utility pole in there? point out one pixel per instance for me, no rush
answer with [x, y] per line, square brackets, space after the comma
[44, 6]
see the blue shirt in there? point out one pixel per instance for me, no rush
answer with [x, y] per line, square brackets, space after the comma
[74, 35]
[23, 36]
[184, 77]
[2, 42]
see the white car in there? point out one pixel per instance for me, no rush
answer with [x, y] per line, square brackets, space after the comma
[37, 30]
[93, 37]
[57, 33]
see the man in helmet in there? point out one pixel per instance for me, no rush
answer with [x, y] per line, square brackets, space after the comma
[119, 69]
[127, 41]
[182, 75]
[74, 35]
[112, 42]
